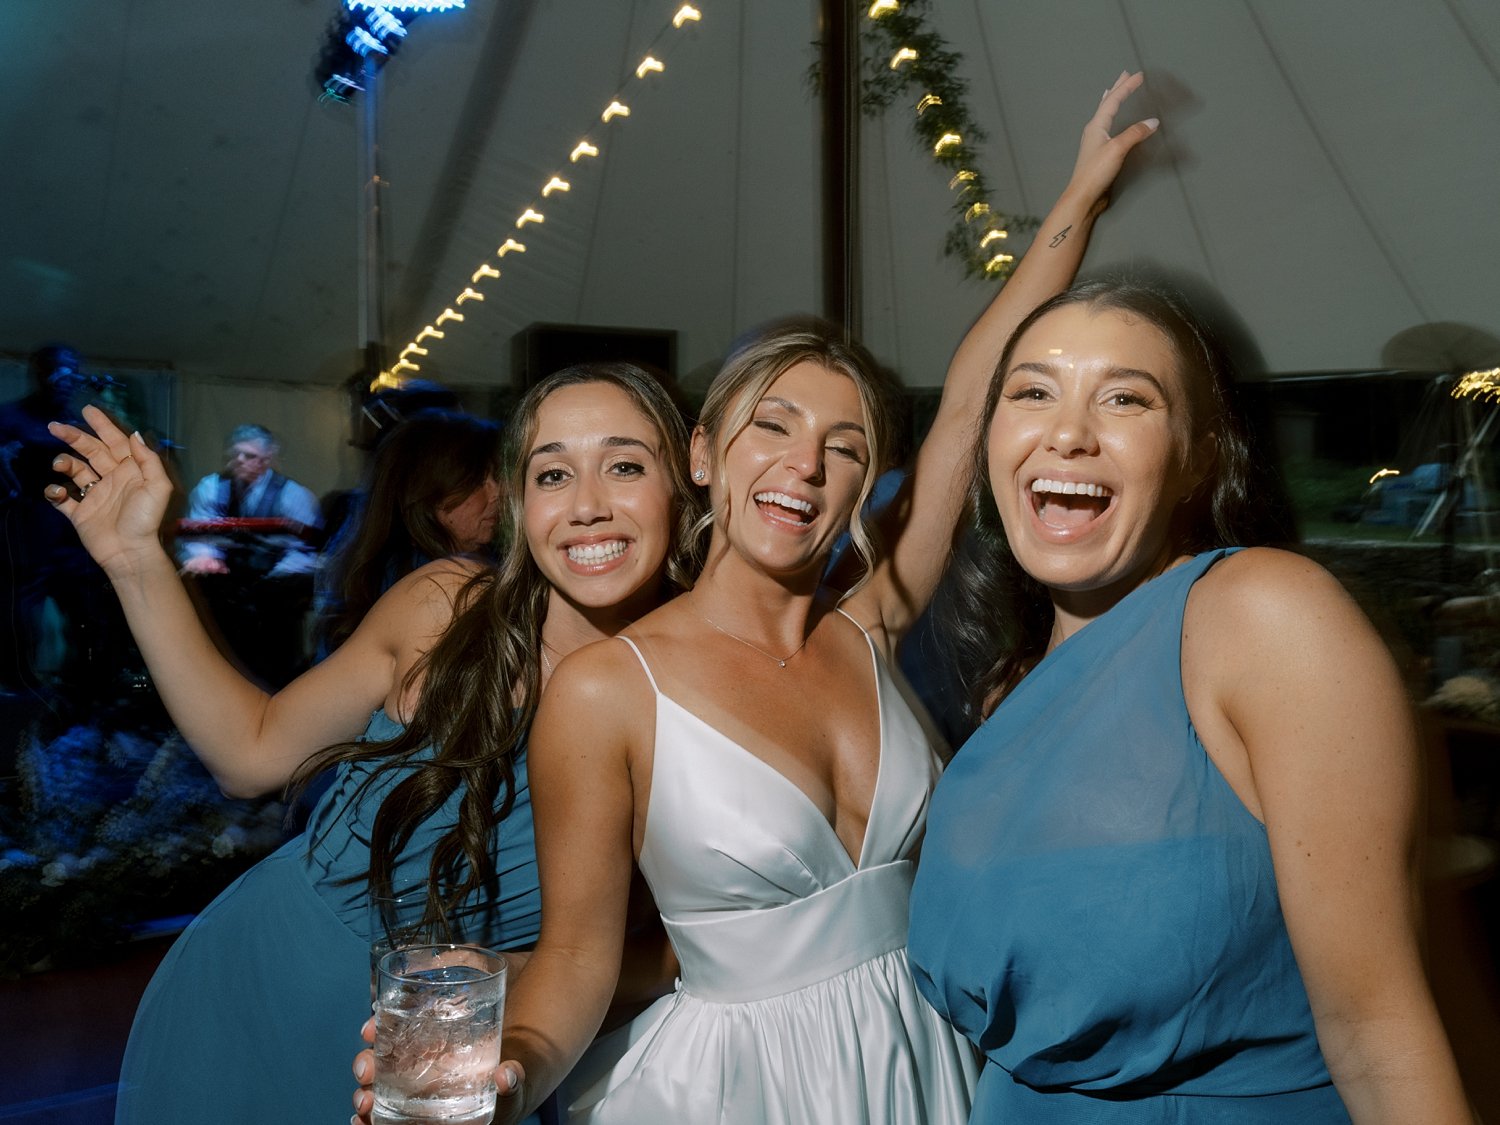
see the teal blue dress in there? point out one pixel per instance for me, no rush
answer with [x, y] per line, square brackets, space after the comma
[1096, 910]
[254, 1013]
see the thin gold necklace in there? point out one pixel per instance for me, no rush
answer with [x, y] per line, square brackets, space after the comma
[780, 660]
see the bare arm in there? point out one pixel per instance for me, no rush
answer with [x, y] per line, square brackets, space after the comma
[251, 741]
[578, 762]
[1328, 736]
[920, 524]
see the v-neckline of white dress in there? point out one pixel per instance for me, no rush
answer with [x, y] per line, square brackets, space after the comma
[801, 794]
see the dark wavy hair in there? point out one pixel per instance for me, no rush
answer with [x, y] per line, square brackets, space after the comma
[996, 617]
[426, 465]
[482, 679]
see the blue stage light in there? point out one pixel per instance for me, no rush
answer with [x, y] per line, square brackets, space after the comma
[406, 5]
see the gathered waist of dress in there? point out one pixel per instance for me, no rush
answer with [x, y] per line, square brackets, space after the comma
[737, 956]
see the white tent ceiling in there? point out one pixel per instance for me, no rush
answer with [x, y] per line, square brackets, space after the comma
[176, 194]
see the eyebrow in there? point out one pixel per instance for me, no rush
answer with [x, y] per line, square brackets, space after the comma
[1114, 373]
[616, 441]
[793, 408]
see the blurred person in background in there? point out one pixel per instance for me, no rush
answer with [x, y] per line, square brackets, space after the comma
[257, 581]
[433, 491]
[45, 574]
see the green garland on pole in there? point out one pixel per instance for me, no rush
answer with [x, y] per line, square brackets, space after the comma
[904, 59]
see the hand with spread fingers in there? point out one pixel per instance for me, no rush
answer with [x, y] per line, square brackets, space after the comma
[119, 491]
[1101, 155]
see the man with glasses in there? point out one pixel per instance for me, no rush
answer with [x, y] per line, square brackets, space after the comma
[257, 579]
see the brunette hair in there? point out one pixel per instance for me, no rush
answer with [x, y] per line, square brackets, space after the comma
[482, 678]
[426, 465]
[997, 618]
[758, 360]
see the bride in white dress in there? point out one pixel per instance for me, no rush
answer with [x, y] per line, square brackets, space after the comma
[749, 746]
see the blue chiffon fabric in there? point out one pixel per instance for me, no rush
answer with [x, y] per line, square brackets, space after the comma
[254, 1013]
[1096, 909]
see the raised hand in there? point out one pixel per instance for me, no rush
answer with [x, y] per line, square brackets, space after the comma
[1100, 155]
[119, 491]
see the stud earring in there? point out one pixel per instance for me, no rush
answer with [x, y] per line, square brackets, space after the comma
[699, 474]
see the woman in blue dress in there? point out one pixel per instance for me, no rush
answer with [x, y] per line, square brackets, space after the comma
[1170, 879]
[275, 973]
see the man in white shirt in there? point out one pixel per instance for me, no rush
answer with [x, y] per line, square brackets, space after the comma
[250, 487]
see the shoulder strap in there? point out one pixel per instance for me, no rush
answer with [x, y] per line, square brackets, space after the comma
[856, 624]
[642, 658]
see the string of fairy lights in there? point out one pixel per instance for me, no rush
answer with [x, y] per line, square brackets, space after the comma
[551, 194]
[915, 62]
[912, 61]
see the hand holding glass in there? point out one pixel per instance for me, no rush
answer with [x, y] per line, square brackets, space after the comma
[438, 1010]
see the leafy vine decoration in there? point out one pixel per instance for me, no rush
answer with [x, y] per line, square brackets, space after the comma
[905, 60]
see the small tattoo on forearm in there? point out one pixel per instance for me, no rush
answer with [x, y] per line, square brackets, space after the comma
[1060, 236]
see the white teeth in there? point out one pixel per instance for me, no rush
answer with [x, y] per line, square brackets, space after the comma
[782, 500]
[1070, 488]
[597, 552]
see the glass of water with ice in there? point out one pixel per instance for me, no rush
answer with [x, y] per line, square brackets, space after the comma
[438, 1010]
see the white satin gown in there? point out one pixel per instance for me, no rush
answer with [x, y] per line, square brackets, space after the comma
[795, 1004]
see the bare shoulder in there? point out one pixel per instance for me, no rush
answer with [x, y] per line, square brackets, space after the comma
[1264, 592]
[601, 678]
[1266, 627]
[414, 612]
[431, 592]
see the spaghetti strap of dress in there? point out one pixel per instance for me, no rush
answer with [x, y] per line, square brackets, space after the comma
[641, 656]
[855, 622]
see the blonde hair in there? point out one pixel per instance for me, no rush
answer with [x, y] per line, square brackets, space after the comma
[762, 357]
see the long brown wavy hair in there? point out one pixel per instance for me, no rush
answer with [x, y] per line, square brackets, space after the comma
[481, 681]
[426, 465]
[996, 618]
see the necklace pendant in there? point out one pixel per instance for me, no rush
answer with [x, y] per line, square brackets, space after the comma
[782, 663]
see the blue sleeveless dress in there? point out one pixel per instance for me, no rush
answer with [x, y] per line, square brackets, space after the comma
[1096, 909]
[254, 1013]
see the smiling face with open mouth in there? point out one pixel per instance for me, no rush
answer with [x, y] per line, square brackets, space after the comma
[598, 499]
[1090, 450]
[793, 475]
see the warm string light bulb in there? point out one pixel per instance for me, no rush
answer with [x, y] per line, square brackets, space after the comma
[964, 177]
[648, 65]
[1486, 383]
[927, 102]
[975, 211]
[904, 55]
[883, 8]
[945, 142]
[1383, 473]
[997, 263]
[990, 236]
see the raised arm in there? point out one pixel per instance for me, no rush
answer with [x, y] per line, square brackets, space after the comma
[251, 741]
[1314, 697]
[919, 526]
